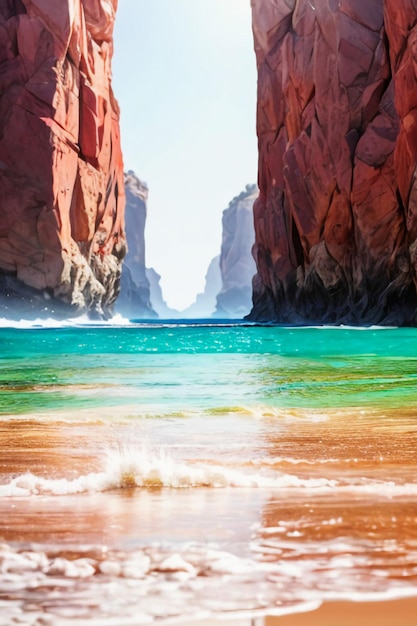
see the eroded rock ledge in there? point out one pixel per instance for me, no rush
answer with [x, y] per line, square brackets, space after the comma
[61, 172]
[336, 220]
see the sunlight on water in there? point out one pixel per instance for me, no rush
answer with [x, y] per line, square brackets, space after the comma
[155, 472]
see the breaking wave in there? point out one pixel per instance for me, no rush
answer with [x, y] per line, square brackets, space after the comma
[82, 320]
[130, 468]
[142, 469]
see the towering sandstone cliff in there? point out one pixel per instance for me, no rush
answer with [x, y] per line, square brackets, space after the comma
[61, 173]
[336, 220]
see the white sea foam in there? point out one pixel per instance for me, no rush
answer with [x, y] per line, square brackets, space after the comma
[144, 468]
[82, 320]
[117, 321]
[133, 468]
[147, 585]
[345, 327]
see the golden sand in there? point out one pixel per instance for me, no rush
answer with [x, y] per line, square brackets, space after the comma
[390, 613]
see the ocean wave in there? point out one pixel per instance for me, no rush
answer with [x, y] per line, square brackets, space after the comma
[347, 327]
[82, 320]
[118, 321]
[132, 468]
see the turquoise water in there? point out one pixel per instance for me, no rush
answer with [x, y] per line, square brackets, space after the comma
[153, 472]
[180, 367]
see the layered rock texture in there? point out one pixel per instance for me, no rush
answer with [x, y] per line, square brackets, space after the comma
[336, 220]
[237, 266]
[134, 298]
[61, 172]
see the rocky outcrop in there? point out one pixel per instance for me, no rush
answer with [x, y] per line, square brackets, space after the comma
[237, 265]
[157, 298]
[134, 298]
[336, 220]
[228, 287]
[205, 302]
[61, 173]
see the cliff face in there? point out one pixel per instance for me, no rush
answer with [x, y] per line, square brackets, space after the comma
[336, 220]
[134, 298]
[205, 302]
[228, 288]
[157, 298]
[61, 173]
[237, 265]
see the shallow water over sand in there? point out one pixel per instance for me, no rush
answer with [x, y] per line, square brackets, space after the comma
[158, 473]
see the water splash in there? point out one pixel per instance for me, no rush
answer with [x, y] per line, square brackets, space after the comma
[145, 468]
[82, 320]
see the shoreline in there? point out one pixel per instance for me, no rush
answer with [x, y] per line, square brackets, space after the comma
[390, 612]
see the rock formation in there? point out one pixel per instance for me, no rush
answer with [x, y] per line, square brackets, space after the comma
[61, 173]
[205, 302]
[157, 298]
[134, 298]
[237, 265]
[228, 287]
[336, 220]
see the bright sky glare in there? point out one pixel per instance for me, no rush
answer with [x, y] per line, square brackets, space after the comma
[184, 74]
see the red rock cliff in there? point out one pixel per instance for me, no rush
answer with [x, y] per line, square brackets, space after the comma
[61, 172]
[336, 220]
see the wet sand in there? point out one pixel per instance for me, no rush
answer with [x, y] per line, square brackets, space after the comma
[390, 613]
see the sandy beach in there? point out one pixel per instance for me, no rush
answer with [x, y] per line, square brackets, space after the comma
[147, 477]
[388, 613]
[392, 612]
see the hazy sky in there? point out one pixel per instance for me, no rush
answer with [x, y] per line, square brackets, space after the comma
[185, 77]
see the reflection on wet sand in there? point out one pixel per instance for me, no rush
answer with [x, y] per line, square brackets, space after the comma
[48, 448]
[329, 513]
[354, 438]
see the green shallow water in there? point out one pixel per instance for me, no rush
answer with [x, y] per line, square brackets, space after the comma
[160, 472]
[170, 368]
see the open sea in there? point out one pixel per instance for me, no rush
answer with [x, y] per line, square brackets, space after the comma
[169, 472]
